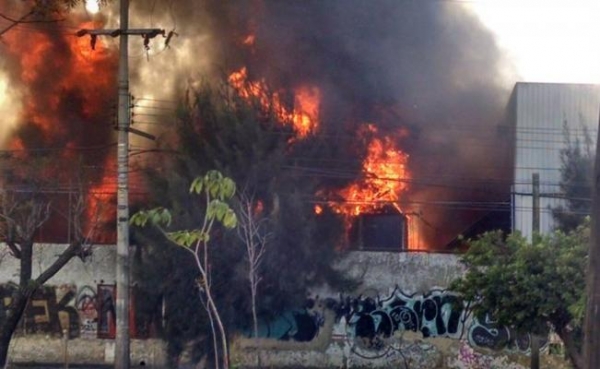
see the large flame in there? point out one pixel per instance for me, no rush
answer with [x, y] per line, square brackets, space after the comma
[382, 185]
[87, 71]
[67, 90]
[384, 178]
[385, 175]
[303, 116]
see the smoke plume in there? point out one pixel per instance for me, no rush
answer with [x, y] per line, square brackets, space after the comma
[428, 68]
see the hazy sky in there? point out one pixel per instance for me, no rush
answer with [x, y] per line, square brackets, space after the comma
[548, 40]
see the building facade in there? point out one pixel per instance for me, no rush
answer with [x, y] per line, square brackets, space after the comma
[543, 113]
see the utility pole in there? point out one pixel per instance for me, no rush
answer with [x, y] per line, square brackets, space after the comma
[591, 326]
[122, 339]
[535, 230]
[535, 220]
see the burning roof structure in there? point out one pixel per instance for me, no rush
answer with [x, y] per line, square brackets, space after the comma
[420, 88]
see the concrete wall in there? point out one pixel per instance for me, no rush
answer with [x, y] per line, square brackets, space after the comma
[401, 314]
[68, 303]
[413, 272]
[43, 349]
[97, 268]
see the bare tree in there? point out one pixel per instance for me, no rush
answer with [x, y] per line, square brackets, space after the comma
[24, 209]
[41, 11]
[252, 230]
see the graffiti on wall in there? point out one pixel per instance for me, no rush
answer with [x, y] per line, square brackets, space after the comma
[301, 325]
[59, 310]
[106, 311]
[487, 334]
[374, 323]
[85, 311]
[371, 321]
[50, 310]
[374, 319]
[86, 305]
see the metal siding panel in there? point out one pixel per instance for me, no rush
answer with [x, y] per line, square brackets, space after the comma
[541, 109]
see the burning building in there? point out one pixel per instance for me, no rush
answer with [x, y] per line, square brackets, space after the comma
[412, 93]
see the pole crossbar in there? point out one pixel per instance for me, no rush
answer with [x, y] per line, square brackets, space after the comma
[149, 32]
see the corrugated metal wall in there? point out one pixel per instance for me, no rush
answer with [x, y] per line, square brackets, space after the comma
[541, 111]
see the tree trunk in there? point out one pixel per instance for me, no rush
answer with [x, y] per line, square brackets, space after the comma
[26, 262]
[223, 335]
[7, 328]
[571, 350]
[211, 319]
[17, 306]
[535, 352]
[255, 323]
[27, 287]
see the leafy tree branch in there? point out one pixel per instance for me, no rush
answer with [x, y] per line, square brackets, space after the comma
[216, 190]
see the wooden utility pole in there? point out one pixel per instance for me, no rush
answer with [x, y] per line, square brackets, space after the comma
[122, 339]
[591, 328]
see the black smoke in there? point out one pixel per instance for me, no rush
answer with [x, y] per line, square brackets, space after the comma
[429, 67]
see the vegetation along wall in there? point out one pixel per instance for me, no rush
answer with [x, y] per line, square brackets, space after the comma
[400, 313]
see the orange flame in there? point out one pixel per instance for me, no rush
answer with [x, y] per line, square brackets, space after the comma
[384, 178]
[37, 55]
[259, 207]
[303, 117]
[86, 75]
[249, 40]
[100, 209]
[384, 181]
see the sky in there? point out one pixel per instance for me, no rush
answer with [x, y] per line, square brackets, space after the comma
[547, 40]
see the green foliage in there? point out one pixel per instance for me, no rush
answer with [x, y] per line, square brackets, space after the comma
[217, 186]
[219, 130]
[160, 216]
[217, 189]
[576, 180]
[220, 211]
[189, 238]
[530, 286]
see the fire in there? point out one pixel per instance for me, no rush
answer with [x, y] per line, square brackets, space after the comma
[385, 172]
[249, 40]
[38, 57]
[99, 203]
[259, 207]
[384, 178]
[303, 116]
[66, 89]
[384, 181]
